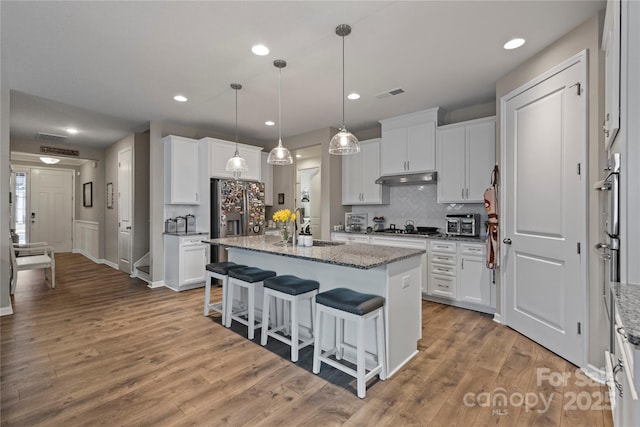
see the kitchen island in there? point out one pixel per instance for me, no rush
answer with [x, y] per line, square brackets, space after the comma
[393, 273]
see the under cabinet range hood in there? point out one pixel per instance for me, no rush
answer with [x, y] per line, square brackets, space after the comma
[408, 179]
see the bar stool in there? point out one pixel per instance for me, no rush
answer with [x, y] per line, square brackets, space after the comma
[220, 271]
[345, 304]
[294, 290]
[247, 278]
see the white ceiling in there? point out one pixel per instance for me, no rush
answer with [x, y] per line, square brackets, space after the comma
[108, 68]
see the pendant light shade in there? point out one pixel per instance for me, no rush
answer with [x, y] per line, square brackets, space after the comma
[236, 164]
[280, 155]
[49, 160]
[343, 142]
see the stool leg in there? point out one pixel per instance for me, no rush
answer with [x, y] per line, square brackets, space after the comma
[229, 311]
[382, 358]
[207, 295]
[225, 286]
[360, 368]
[339, 338]
[312, 300]
[251, 311]
[293, 305]
[265, 317]
[317, 342]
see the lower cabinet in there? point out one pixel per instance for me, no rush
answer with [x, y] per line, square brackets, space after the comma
[185, 261]
[442, 269]
[475, 277]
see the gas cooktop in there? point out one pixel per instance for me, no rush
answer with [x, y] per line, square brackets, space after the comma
[420, 231]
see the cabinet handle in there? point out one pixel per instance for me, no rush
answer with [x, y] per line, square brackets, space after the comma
[462, 193]
[408, 165]
[466, 193]
[196, 197]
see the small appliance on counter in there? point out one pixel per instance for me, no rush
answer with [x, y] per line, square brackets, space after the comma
[191, 223]
[170, 226]
[467, 225]
[378, 223]
[355, 222]
[181, 224]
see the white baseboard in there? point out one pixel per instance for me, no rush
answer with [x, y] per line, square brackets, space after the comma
[596, 374]
[109, 263]
[497, 317]
[96, 260]
[158, 284]
[6, 311]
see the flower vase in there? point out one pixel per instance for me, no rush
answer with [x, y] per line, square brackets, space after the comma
[284, 232]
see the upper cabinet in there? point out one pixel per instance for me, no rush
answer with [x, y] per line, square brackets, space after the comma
[267, 179]
[221, 151]
[611, 49]
[182, 171]
[359, 173]
[409, 142]
[466, 157]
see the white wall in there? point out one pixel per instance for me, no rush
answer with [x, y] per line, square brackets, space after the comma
[5, 300]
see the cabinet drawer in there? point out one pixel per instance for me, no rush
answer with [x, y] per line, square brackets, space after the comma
[470, 249]
[440, 246]
[438, 258]
[443, 286]
[447, 270]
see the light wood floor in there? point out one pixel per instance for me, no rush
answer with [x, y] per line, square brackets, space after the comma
[103, 349]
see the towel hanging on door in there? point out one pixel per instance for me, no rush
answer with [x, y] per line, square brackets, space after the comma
[491, 204]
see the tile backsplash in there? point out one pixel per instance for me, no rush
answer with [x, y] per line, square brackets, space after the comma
[418, 203]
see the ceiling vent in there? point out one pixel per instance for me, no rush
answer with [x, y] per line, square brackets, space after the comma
[391, 92]
[52, 137]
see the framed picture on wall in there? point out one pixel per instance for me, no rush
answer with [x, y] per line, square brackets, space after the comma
[110, 195]
[281, 198]
[87, 194]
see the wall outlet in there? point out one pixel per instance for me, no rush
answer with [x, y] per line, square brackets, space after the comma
[406, 282]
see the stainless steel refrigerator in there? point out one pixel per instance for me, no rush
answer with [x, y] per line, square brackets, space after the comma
[237, 209]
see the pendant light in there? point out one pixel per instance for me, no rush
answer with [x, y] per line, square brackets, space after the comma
[280, 155]
[236, 164]
[343, 142]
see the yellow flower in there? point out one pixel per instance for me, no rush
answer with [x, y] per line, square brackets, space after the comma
[283, 215]
[293, 217]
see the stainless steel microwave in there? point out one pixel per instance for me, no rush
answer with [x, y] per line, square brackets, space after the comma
[463, 225]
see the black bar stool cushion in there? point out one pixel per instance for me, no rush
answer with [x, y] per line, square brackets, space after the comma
[350, 301]
[251, 274]
[291, 285]
[223, 267]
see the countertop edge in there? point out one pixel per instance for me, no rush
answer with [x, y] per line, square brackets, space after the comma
[627, 302]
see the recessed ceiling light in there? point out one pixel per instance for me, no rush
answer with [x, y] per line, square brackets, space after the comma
[180, 98]
[72, 131]
[49, 160]
[260, 49]
[298, 156]
[513, 44]
[353, 96]
[269, 123]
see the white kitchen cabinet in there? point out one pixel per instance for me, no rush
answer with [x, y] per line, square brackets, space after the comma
[185, 261]
[442, 269]
[403, 242]
[221, 151]
[359, 173]
[611, 49]
[350, 237]
[182, 172]
[466, 157]
[267, 179]
[474, 279]
[409, 142]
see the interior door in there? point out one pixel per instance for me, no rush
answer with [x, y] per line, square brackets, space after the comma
[545, 210]
[51, 213]
[125, 209]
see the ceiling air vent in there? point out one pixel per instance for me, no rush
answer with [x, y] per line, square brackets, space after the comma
[52, 137]
[391, 92]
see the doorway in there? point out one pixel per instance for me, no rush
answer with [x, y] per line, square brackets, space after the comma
[309, 188]
[125, 209]
[544, 200]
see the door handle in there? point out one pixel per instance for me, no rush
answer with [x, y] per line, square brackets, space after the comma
[128, 228]
[506, 241]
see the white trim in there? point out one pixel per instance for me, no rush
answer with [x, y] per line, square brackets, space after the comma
[109, 263]
[158, 284]
[596, 374]
[6, 311]
[579, 58]
[497, 318]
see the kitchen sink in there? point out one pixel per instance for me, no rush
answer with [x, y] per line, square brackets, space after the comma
[327, 243]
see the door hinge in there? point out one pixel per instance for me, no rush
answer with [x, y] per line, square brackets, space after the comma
[578, 247]
[579, 328]
[579, 169]
[579, 88]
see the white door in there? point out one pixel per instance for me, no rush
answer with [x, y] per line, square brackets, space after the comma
[544, 221]
[125, 209]
[51, 213]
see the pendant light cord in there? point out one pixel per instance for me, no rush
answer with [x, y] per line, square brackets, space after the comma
[343, 121]
[279, 106]
[236, 120]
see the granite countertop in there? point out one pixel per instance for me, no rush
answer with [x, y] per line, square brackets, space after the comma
[627, 300]
[480, 239]
[190, 233]
[362, 256]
